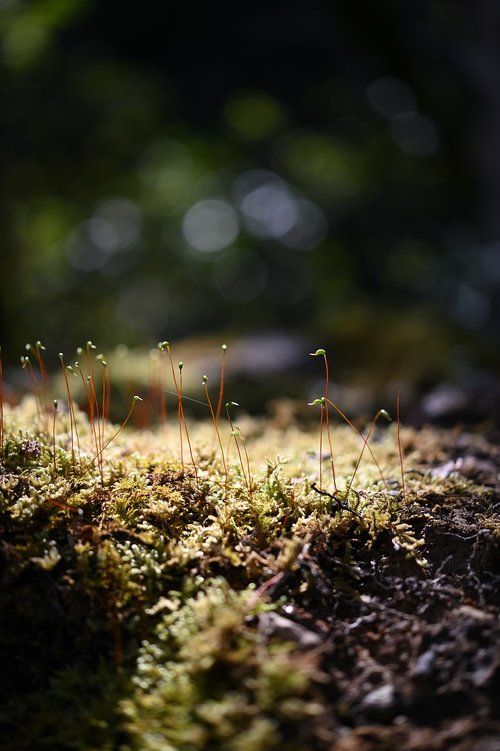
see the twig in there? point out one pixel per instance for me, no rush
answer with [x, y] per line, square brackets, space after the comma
[341, 506]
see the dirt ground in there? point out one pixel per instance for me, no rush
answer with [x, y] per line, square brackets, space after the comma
[412, 660]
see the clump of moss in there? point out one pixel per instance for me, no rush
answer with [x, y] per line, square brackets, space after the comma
[134, 588]
[207, 678]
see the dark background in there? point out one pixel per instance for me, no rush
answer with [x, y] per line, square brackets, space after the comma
[323, 173]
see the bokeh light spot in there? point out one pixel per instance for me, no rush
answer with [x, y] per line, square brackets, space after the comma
[271, 210]
[114, 226]
[309, 228]
[268, 209]
[117, 225]
[210, 225]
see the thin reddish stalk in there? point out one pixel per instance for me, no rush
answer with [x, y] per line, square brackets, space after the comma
[105, 386]
[54, 468]
[98, 456]
[344, 417]
[400, 449]
[221, 383]
[67, 369]
[365, 445]
[96, 421]
[322, 407]
[180, 414]
[70, 409]
[184, 421]
[180, 411]
[234, 433]
[209, 402]
[327, 416]
[26, 363]
[250, 481]
[90, 400]
[103, 401]
[162, 384]
[107, 391]
[43, 372]
[90, 360]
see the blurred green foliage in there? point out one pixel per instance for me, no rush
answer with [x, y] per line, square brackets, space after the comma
[293, 168]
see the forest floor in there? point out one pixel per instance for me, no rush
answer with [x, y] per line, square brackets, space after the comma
[415, 659]
[149, 605]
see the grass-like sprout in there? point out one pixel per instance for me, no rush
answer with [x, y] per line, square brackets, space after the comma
[322, 353]
[217, 432]
[221, 382]
[236, 434]
[54, 459]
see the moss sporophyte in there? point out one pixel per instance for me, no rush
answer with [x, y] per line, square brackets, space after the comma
[149, 572]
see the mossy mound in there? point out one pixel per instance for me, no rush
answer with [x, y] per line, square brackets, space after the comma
[152, 605]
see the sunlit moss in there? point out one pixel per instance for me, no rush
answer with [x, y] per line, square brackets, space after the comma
[134, 593]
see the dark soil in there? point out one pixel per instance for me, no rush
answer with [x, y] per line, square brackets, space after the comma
[411, 656]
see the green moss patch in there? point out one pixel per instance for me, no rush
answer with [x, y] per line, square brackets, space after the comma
[151, 605]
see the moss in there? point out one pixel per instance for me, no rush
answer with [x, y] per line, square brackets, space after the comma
[133, 593]
[206, 679]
